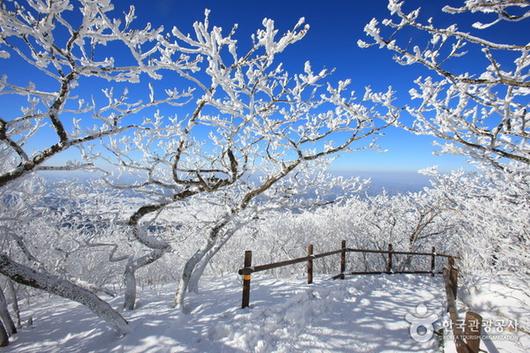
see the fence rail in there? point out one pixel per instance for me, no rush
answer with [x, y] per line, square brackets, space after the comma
[251, 269]
[248, 269]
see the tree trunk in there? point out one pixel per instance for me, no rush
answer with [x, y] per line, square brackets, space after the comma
[407, 262]
[196, 274]
[14, 298]
[129, 276]
[194, 267]
[129, 279]
[158, 248]
[9, 325]
[4, 339]
[61, 287]
[185, 276]
[91, 286]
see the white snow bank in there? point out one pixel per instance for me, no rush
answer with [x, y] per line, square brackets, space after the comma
[503, 302]
[359, 314]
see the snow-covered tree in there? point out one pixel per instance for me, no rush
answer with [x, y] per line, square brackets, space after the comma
[64, 53]
[474, 98]
[411, 222]
[474, 93]
[250, 125]
[492, 217]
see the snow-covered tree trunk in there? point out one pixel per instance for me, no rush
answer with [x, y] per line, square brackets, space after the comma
[129, 276]
[4, 339]
[129, 280]
[14, 298]
[186, 275]
[61, 287]
[196, 274]
[194, 267]
[5, 316]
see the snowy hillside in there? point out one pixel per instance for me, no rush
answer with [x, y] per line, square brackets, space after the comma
[359, 314]
[362, 314]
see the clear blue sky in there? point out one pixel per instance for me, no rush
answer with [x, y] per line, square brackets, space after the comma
[331, 42]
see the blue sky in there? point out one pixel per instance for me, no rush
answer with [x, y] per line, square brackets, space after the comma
[331, 42]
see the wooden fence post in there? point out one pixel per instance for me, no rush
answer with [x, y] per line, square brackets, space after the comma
[451, 261]
[472, 331]
[343, 259]
[455, 281]
[446, 276]
[453, 275]
[246, 280]
[433, 260]
[310, 264]
[458, 330]
[389, 263]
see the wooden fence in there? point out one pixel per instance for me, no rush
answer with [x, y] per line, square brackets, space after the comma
[467, 332]
[466, 337]
[248, 269]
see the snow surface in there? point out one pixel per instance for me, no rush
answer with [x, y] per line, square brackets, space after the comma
[359, 314]
[503, 298]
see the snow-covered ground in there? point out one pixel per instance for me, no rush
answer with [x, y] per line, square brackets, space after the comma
[359, 314]
[505, 310]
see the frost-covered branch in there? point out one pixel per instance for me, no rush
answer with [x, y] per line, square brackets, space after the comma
[33, 32]
[479, 111]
